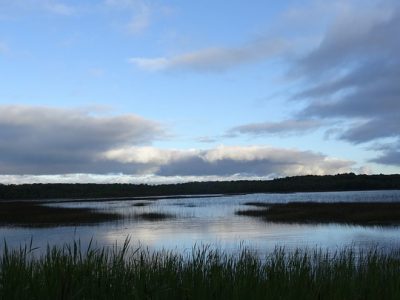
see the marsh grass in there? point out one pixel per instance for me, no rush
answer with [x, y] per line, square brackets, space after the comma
[152, 216]
[141, 204]
[71, 272]
[361, 213]
[35, 214]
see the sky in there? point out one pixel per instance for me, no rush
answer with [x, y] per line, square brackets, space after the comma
[137, 91]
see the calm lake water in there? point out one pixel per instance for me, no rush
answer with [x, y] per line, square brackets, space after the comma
[212, 221]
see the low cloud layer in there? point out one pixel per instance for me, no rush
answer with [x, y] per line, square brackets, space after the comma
[228, 161]
[45, 141]
[42, 140]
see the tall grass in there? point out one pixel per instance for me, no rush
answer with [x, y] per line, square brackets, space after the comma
[71, 272]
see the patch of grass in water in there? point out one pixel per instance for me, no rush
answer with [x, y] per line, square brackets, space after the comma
[258, 204]
[141, 204]
[71, 272]
[361, 213]
[35, 214]
[153, 216]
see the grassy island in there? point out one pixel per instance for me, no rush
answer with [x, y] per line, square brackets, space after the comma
[37, 214]
[361, 213]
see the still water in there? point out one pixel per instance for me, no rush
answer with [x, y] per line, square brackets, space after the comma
[212, 221]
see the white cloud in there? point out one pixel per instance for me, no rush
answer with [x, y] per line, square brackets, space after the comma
[4, 49]
[140, 13]
[50, 6]
[151, 64]
[118, 178]
[58, 8]
[228, 161]
[148, 155]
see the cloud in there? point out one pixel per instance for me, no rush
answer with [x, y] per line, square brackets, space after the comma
[353, 75]
[140, 13]
[117, 178]
[4, 49]
[214, 59]
[359, 68]
[390, 154]
[282, 127]
[228, 161]
[58, 8]
[50, 6]
[43, 140]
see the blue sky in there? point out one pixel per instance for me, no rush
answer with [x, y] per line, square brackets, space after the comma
[166, 91]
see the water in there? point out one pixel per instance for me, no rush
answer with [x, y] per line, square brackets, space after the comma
[212, 220]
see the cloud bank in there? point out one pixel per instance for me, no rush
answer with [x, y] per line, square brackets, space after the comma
[229, 160]
[43, 141]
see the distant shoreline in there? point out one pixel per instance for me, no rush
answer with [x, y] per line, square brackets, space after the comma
[297, 184]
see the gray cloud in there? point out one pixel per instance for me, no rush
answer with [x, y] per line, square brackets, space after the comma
[214, 59]
[354, 75]
[227, 161]
[283, 127]
[42, 140]
[390, 154]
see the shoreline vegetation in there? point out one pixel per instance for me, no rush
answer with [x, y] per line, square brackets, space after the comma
[309, 183]
[352, 213]
[70, 272]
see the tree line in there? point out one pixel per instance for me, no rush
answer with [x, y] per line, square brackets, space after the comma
[309, 183]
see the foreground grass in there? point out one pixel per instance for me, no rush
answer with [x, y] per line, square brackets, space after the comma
[35, 214]
[361, 213]
[72, 273]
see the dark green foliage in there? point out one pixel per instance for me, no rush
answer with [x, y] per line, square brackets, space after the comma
[363, 213]
[341, 182]
[72, 273]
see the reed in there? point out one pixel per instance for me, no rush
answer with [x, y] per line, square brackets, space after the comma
[71, 272]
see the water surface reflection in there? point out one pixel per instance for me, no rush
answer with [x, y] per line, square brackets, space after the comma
[212, 220]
